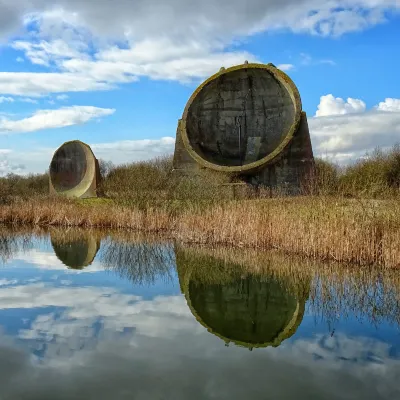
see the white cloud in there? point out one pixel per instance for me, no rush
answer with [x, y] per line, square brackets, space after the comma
[285, 67]
[28, 100]
[389, 105]
[329, 105]
[146, 18]
[95, 47]
[41, 83]
[62, 97]
[45, 53]
[6, 99]
[346, 130]
[7, 167]
[119, 152]
[133, 150]
[50, 119]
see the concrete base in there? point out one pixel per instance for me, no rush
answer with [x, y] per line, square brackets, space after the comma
[288, 173]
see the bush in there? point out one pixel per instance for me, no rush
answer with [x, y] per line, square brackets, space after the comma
[153, 182]
[325, 178]
[376, 175]
[12, 186]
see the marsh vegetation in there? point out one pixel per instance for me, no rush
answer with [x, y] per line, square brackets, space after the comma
[349, 214]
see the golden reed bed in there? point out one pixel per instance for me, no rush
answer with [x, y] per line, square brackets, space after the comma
[360, 232]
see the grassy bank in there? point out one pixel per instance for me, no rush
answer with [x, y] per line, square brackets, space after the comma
[349, 215]
[345, 230]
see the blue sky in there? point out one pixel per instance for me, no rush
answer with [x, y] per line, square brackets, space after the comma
[117, 74]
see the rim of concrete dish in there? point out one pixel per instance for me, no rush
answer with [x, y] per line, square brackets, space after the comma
[82, 187]
[280, 76]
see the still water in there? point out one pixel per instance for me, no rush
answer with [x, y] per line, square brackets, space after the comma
[85, 315]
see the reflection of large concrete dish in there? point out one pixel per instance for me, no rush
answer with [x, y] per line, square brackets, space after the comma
[74, 171]
[245, 119]
[75, 252]
[246, 310]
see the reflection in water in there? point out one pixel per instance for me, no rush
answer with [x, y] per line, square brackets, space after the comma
[67, 334]
[140, 260]
[333, 290]
[240, 307]
[75, 248]
[12, 241]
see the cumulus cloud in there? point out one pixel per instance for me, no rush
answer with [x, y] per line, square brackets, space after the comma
[389, 105]
[123, 18]
[346, 130]
[49, 119]
[97, 46]
[329, 105]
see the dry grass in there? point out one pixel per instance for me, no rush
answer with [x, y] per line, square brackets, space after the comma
[344, 230]
[353, 215]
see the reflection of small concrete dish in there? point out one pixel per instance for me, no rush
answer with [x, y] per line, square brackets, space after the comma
[74, 171]
[76, 254]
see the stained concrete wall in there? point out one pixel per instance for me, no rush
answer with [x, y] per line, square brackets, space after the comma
[240, 117]
[289, 172]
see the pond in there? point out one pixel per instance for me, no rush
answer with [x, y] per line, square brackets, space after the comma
[88, 314]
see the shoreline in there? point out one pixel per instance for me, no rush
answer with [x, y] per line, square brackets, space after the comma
[341, 230]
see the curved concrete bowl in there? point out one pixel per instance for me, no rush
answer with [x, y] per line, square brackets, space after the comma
[74, 171]
[241, 118]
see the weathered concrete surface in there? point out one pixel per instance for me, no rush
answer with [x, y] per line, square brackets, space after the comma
[247, 120]
[291, 171]
[74, 171]
[252, 98]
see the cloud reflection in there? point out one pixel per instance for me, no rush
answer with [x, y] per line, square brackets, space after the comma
[99, 342]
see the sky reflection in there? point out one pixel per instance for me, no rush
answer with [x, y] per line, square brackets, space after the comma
[126, 329]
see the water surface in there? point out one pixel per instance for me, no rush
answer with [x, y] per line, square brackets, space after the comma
[87, 315]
